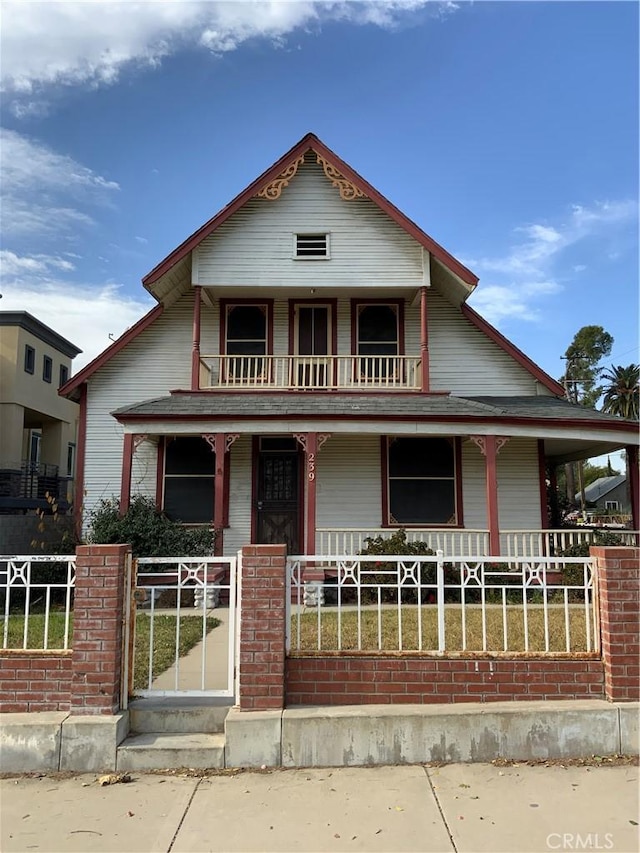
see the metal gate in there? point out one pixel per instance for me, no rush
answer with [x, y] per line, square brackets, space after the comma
[180, 627]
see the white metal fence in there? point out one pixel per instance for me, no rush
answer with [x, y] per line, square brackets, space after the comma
[180, 629]
[38, 601]
[438, 604]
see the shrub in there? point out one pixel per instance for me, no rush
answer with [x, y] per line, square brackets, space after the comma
[149, 532]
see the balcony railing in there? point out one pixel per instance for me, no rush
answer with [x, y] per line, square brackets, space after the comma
[310, 372]
[31, 480]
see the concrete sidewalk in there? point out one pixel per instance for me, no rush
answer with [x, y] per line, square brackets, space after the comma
[461, 808]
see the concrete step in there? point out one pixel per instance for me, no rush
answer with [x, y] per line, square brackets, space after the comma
[199, 716]
[164, 751]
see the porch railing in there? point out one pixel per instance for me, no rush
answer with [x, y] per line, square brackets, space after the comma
[310, 372]
[513, 543]
[435, 604]
[37, 611]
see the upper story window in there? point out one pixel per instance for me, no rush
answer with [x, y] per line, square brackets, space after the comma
[29, 359]
[47, 368]
[311, 246]
[612, 505]
[420, 482]
[189, 473]
[64, 374]
[378, 337]
[246, 338]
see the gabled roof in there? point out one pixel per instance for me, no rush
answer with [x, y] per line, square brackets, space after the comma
[601, 487]
[307, 143]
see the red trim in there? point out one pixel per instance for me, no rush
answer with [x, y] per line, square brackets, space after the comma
[195, 352]
[162, 441]
[311, 142]
[493, 518]
[219, 489]
[398, 303]
[333, 305]
[424, 342]
[124, 339]
[634, 488]
[125, 481]
[81, 447]
[227, 489]
[255, 453]
[311, 475]
[384, 470]
[542, 476]
[512, 350]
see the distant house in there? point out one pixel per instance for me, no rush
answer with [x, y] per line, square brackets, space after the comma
[38, 427]
[608, 495]
[313, 375]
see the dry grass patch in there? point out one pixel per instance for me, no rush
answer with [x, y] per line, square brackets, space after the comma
[391, 630]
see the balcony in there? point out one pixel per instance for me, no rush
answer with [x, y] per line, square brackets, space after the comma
[310, 372]
[25, 485]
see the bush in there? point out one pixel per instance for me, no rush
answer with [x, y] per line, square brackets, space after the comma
[149, 532]
[573, 575]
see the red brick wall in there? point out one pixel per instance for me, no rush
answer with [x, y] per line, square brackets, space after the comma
[262, 628]
[97, 628]
[618, 572]
[383, 680]
[34, 681]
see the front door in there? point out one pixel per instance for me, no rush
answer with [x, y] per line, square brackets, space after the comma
[278, 491]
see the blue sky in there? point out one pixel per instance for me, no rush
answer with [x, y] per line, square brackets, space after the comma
[508, 131]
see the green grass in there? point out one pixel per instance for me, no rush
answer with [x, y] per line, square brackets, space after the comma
[389, 632]
[164, 638]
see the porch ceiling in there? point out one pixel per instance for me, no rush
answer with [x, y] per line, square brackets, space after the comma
[569, 432]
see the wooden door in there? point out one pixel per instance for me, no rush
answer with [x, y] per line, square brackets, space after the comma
[312, 341]
[278, 504]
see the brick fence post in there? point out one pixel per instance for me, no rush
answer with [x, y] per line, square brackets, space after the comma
[97, 628]
[618, 578]
[262, 628]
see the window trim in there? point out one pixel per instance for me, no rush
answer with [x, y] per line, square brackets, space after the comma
[614, 505]
[63, 369]
[398, 304]
[163, 441]
[29, 359]
[316, 233]
[71, 457]
[331, 304]
[384, 469]
[163, 447]
[47, 375]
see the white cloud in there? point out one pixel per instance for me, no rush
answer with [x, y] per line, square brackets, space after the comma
[532, 268]
[73, 43]
[13, 265]
[43, 190]
[84, 314]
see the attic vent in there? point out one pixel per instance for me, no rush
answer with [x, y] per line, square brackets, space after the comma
[312, 246]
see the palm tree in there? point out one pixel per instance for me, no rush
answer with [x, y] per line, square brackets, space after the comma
[622, 392]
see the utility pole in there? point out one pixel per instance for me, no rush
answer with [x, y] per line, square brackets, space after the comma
[569, 469]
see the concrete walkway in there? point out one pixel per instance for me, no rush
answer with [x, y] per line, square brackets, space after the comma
[458, 808]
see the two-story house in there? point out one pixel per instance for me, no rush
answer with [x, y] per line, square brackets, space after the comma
[37, 426]
[312, 374]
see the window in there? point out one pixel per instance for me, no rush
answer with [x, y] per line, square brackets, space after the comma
[311, 246]
[189, 480]
[29, 359]
[64, 374]
[47, 368]
[421, 481]
[612, 505]
[246, 339]
[377, 335]
[71, 459]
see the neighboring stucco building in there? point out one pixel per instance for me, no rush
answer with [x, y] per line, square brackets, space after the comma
[608, 495]
[38, 427]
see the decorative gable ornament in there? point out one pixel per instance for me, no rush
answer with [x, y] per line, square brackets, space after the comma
[347, 189]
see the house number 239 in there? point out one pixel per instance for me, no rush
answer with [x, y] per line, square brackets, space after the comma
[311, 466]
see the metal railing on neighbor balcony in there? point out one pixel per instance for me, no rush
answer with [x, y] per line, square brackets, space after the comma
[435, 604]
[38, 601]
[26, 479]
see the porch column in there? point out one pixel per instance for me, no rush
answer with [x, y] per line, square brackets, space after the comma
[490, 446]
[195, 351]
[131, 443]
[311, 443]
[542, 474]
[220, 443]
[634, 487]
[424, 342]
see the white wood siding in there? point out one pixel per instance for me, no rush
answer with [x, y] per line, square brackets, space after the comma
[240, 478]
[255, 246]
[155, 362]
[463, 360]
[349, 482]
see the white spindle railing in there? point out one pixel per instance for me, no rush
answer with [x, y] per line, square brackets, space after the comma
[441, 604]
[333, 540]
[310, 372]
